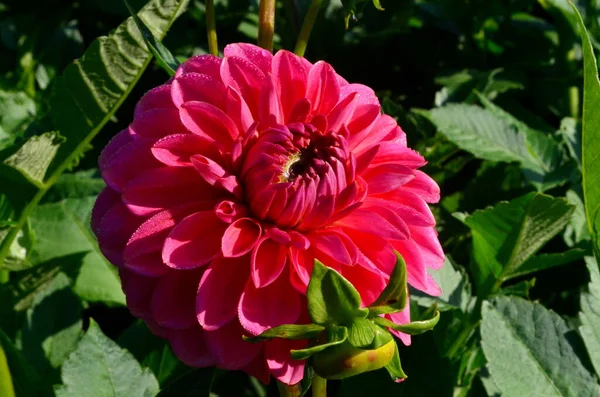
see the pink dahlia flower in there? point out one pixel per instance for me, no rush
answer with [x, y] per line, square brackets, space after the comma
[233, 178]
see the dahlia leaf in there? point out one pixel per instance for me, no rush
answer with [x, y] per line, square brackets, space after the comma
[531, 351]
[195, 382]
[163, 56]
[332, 300]
[99, 368]
[334, 336]
[49, 335]
[17, 110]
[90, 91]
[394, 367]
[412, 328]
[590, 314]
[25, 380]
[288, 331]
[34, 157]
[507, 235]
[547, 261]
[590, 135]
[361, 333]
[393, 298]
[67, 237]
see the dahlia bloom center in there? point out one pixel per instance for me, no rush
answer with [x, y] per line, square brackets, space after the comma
[233, 178]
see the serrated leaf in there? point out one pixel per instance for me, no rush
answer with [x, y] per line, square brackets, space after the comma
[332, 300]
[577, 229]
[455, 286]
[590, 138]
[531, 351]
[50, 335]
[361, 333]
[34, 157]
[394, 368]
[590, 314]
[163, 56]
[25, 380]
[99, 368]
[196, 382]
[547, 261]
[570, 131]
[16, 110]
[393, 298]
[334, 335]
[412, 328]
[288, 331]
[507, 235]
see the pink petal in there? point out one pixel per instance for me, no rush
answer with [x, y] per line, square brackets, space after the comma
[417, 275]
[156, 98]
[408, 205]
[138, 291]
[209, 121]
[340, 115]
[268, 307]
[281, 364]
[270, 113]
[173, 300]
[176, 150]
[364, 94]
[387, 177]
[229, 349]
[431, 250]
[401, 318]
[150, 265]
[368, 283]
[245, 77]
[217, 305]
[392, 152]
[189, 345]
[323, 90]
[258, 368]
[268, 261]
[372, 223]
[228, 211]
[260, 57]
[289, 76]
[239, 111]
[198, 87]
[303, 261]
[195, 241]
[240, 237]
[203, 64]
[157, 123]
[215, 175]
[424, 187]
[329, 245]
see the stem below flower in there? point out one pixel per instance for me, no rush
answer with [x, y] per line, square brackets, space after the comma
[211, 28]
[309, 21]
[266, 24]
[289, 390]
[319, 386]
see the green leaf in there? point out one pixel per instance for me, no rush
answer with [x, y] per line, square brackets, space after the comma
[350, 7]
[196, 382]
[25, 380]
[99, 368]
[547, 261]
[507, 235]
[50, 335]
[332, 300]
[163, 56]
[590, 138]
[393, 298]
[531, 351]
[361, 333]
[288, 331]
[590, 314]
[6, 384]
[16, 111]
[577, 229]
[34, 157]
[570, 131]
[456, 290]
[394, 368]
[334, 335]
[412, 328]
[62, 229]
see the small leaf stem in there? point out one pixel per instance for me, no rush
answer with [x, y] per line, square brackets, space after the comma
[211, 28]
[266, 24]
[289, 390]
[319, 386]
[309, 21]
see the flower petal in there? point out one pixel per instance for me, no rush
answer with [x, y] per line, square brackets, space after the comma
[401, 318]
[240, 237]
[203, 64]
[173, 300]
[198, 87]
[323, 89]
[229, 349]
[281, 365]
[176, 150]
[268, 261]
[189, 345]
[194, 242]
[289, 74]
[258, 56]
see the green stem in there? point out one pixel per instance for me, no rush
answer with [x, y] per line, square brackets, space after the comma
[289, 390]
[4, 276]
[266, 24]
[211, 28]
[319, 386]
[309, 21]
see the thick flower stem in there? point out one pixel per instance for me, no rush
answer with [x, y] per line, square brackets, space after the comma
[289, 390]
[211, 28]
[309, 21]
[319, 386]
[266, 24]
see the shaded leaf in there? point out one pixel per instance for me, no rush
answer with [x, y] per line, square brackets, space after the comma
[196, 382]
[26, 381]
[394, 368]
[547, 261]
[6, 384]
[590, 314]
[531, 351]
[361, 333]
[288, 331]
[412, 328]
[99, 367]
[333, 336]
[393, 298]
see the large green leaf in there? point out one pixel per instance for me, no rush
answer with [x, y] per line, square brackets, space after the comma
[62, 230]
[16, 111]
[590, 314]
[591, 135]
[6, 384]
[507, 235]
[91, 90]
[50, 335]
[531, 351]
[100, 368]
[25, 380]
